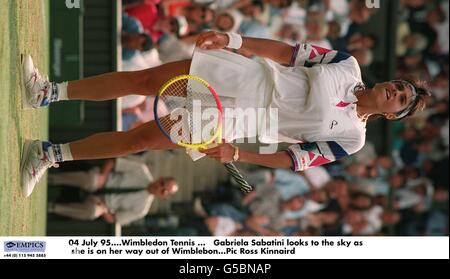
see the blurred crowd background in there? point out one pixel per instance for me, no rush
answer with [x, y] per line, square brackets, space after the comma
[400, 189]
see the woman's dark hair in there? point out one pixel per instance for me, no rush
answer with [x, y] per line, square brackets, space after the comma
[423, 92]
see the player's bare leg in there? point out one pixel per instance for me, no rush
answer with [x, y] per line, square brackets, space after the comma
[116, 144]
[114, 85]
[38, 156]
[39, 92]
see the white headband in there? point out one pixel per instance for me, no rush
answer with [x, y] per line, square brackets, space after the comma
[407, 110]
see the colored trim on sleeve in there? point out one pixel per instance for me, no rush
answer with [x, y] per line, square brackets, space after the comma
[295, 151]
[337, 150]
[294, 55]
[294, 159]
[312, 154]
[340, 56]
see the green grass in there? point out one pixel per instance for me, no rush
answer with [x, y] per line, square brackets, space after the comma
[24, 29]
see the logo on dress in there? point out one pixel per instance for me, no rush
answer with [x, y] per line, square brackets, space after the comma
[333, 124]
[342, 104]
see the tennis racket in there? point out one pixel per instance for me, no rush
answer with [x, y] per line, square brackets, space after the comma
[195, 117]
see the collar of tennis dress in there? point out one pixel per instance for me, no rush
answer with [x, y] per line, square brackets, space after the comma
[351, 109]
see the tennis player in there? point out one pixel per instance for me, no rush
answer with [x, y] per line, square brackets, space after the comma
[322, 103]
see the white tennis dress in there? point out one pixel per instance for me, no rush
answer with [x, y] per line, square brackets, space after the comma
[312, 101]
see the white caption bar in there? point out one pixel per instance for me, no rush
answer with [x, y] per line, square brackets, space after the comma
[225, 248]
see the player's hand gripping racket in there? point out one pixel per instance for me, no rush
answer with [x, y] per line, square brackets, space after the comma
[195, 117]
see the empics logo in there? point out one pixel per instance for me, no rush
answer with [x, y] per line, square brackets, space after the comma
[24, 246]
[10, 244]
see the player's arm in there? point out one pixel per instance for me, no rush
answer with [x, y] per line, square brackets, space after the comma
[305, 55]
[277, 160]
[298, 157]
[275, 50]
[225, 152]
[301, 54]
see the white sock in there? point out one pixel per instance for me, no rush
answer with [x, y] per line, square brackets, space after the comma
[59, 92]
[66, 153]
[57, 152]
[62, 91]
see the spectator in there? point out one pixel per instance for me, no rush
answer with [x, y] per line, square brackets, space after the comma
[133, 38]
[317, 29]
[228, 21]
[117, 208]
[123, 172]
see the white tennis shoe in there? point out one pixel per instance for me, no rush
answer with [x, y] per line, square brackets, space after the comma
[33, 165]
[37, 90]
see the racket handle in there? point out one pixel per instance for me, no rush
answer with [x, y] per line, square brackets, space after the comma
[243, 184]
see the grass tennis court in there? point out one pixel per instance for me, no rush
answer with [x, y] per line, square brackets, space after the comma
[24, 30]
